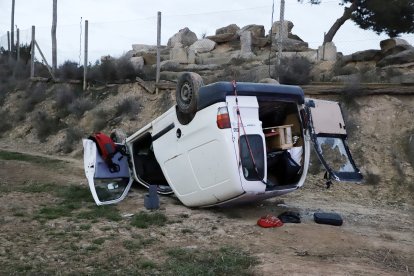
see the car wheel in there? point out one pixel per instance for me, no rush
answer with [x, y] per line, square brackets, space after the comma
[187, 92]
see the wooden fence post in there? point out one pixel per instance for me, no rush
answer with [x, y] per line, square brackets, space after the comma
[32, 52]
[85, 62]
[157, 77]
[18, 45]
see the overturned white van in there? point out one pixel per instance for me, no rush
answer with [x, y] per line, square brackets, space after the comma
[226, 143]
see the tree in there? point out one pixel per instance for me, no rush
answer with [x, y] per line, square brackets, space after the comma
[392, 17]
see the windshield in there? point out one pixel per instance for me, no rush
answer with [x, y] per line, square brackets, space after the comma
[334, 152]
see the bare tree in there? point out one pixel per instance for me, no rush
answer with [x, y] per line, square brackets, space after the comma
[54, 22]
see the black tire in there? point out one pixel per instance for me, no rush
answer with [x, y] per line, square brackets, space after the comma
[187, 92]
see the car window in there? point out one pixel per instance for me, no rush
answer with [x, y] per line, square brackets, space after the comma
[335, 155]
[257, 150]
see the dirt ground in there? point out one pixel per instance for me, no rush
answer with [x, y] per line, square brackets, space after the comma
[376, 238]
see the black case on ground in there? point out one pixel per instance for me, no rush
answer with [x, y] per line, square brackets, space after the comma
[328, 218]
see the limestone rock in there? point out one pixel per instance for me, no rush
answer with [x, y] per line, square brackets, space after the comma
[287, 28]
[170, 65]
[137, 63]
[184, 37]
[150, 58]
[327, 52]
[179, 54]
[203, 45]
[224, 37]
[230, 29]
[406, 56]
[292, 45]
[260, 41]
[388, 44]
[144, 48]
[246, 45]
[368, 55]
[407, 79]
[256, 30]
[268, 80]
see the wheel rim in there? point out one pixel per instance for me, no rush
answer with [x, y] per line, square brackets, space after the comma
[186, 92]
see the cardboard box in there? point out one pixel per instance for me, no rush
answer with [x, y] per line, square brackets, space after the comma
[278, 137]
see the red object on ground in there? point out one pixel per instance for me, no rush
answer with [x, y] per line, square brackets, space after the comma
[269, 221]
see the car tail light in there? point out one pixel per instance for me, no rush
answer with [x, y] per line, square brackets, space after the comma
[223, 119]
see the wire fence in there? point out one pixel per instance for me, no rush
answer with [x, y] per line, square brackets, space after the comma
[117, 37]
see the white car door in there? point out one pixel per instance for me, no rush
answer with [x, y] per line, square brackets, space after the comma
[106, 187]
[328, 133]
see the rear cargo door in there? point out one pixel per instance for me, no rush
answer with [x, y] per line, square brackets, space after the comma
[106, 187]
[328, 133]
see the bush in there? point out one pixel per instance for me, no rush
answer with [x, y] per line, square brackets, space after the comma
[34, 96]
[79, 106]
[124, 69]
[295, 71]
[108, 70]
[64, 96]
[69, 70]
[349, 94]
[45, 125]
[100, 120]
[128, 106]
[5, 123]
[73, 135]
[148, 73]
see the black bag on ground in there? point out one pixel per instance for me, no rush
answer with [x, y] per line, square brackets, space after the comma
[328, 218]
[289, 217]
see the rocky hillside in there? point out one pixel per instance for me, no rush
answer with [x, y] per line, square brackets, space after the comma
[52, 117]
[249, 54]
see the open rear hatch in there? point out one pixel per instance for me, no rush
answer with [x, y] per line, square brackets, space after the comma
[328, 133]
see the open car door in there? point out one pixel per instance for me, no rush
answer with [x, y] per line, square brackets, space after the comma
[106, 187]
[328, 133]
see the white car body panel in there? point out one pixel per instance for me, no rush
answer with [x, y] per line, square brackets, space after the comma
[202, 163]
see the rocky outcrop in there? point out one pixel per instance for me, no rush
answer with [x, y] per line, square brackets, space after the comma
[399, 58]
[230, 29]
[246, 45]
[287, 28]
[255, 30]
[388, 44]
[367, 55]
[327, 52]
[225, 34]
[185, 37]
[203, 45]
[137, 63]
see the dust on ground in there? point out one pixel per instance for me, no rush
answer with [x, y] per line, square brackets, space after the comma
[376, 237]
